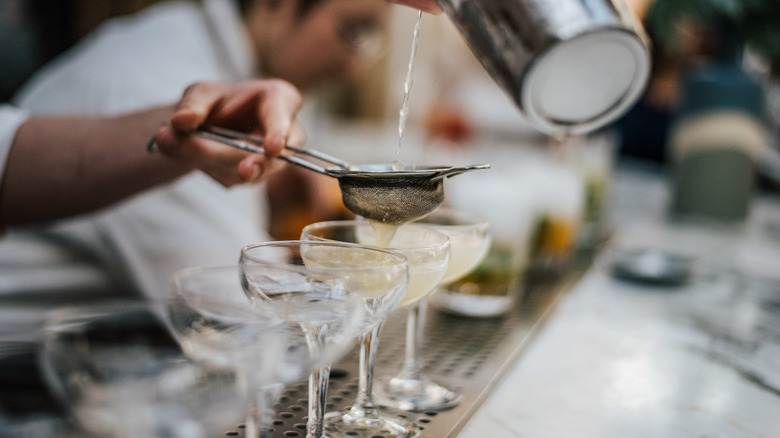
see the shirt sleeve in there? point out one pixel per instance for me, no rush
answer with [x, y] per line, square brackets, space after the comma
[10, 120]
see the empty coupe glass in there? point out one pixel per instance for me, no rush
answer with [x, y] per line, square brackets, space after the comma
[314, 284]
[216, 323]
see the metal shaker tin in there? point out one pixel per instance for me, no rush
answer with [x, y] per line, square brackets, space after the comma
[571, 66]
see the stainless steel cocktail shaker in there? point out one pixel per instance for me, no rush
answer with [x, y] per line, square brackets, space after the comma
[571, 66]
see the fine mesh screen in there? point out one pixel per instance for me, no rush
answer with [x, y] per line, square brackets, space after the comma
[392, 200]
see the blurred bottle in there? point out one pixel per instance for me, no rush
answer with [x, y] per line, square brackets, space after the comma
[718, 136]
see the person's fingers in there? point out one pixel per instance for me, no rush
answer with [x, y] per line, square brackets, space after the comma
[269, 107]
[258, 167]
[251, 168]
[297, 135]
[168, 142]
[277, 112]
[218, 161]
[430, 6]
[272, 103]
[197, 102]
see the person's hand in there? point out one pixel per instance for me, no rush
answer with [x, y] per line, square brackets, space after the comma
[265, 108]
[430, 6]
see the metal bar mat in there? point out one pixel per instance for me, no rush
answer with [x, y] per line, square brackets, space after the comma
[468, 354]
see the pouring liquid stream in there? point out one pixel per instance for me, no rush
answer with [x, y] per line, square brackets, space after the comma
[386, 232]
[403, 114]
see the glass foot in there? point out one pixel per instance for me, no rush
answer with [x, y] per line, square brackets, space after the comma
[346, 424]
[420, 394]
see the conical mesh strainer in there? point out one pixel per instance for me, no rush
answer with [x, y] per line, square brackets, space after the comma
[382, 194]
[374, 191]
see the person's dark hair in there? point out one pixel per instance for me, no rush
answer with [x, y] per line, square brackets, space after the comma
[304, 6]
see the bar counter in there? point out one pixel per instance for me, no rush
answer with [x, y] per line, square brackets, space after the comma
[622, 359]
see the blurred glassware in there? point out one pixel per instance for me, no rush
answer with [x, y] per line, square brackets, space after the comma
[216, 323]
[334, 291]
[534, 225]
[120, 375]
[558, 218]
[39, 426]
[592, 158]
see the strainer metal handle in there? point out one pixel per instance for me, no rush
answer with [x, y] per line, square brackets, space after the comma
[452, 171]
[251, 143]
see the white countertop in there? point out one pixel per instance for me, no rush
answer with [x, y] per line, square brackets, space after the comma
[620, 360]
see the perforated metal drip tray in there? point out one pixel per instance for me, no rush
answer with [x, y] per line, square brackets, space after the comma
[464, 353]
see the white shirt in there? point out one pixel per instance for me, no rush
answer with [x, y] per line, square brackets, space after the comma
[132, 63]
[10, 120]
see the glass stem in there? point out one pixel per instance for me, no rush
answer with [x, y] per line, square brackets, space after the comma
[318, 393]
[252, 428]
[364, 403]
[318, 384]
[258, 420]
[415, 324]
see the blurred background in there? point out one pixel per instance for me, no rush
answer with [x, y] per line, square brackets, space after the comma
[453, 98]
[715, 63]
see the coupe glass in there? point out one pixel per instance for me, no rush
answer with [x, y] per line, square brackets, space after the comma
[410, 389]
[308, 283]
[121, 375]
[427, 252]
[216, 323]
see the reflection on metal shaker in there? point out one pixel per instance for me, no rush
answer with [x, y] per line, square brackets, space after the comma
[571, 66]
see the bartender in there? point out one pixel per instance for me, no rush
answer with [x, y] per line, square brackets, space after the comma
[29, 197]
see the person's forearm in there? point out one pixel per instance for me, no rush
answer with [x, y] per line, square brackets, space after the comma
[63, 166]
